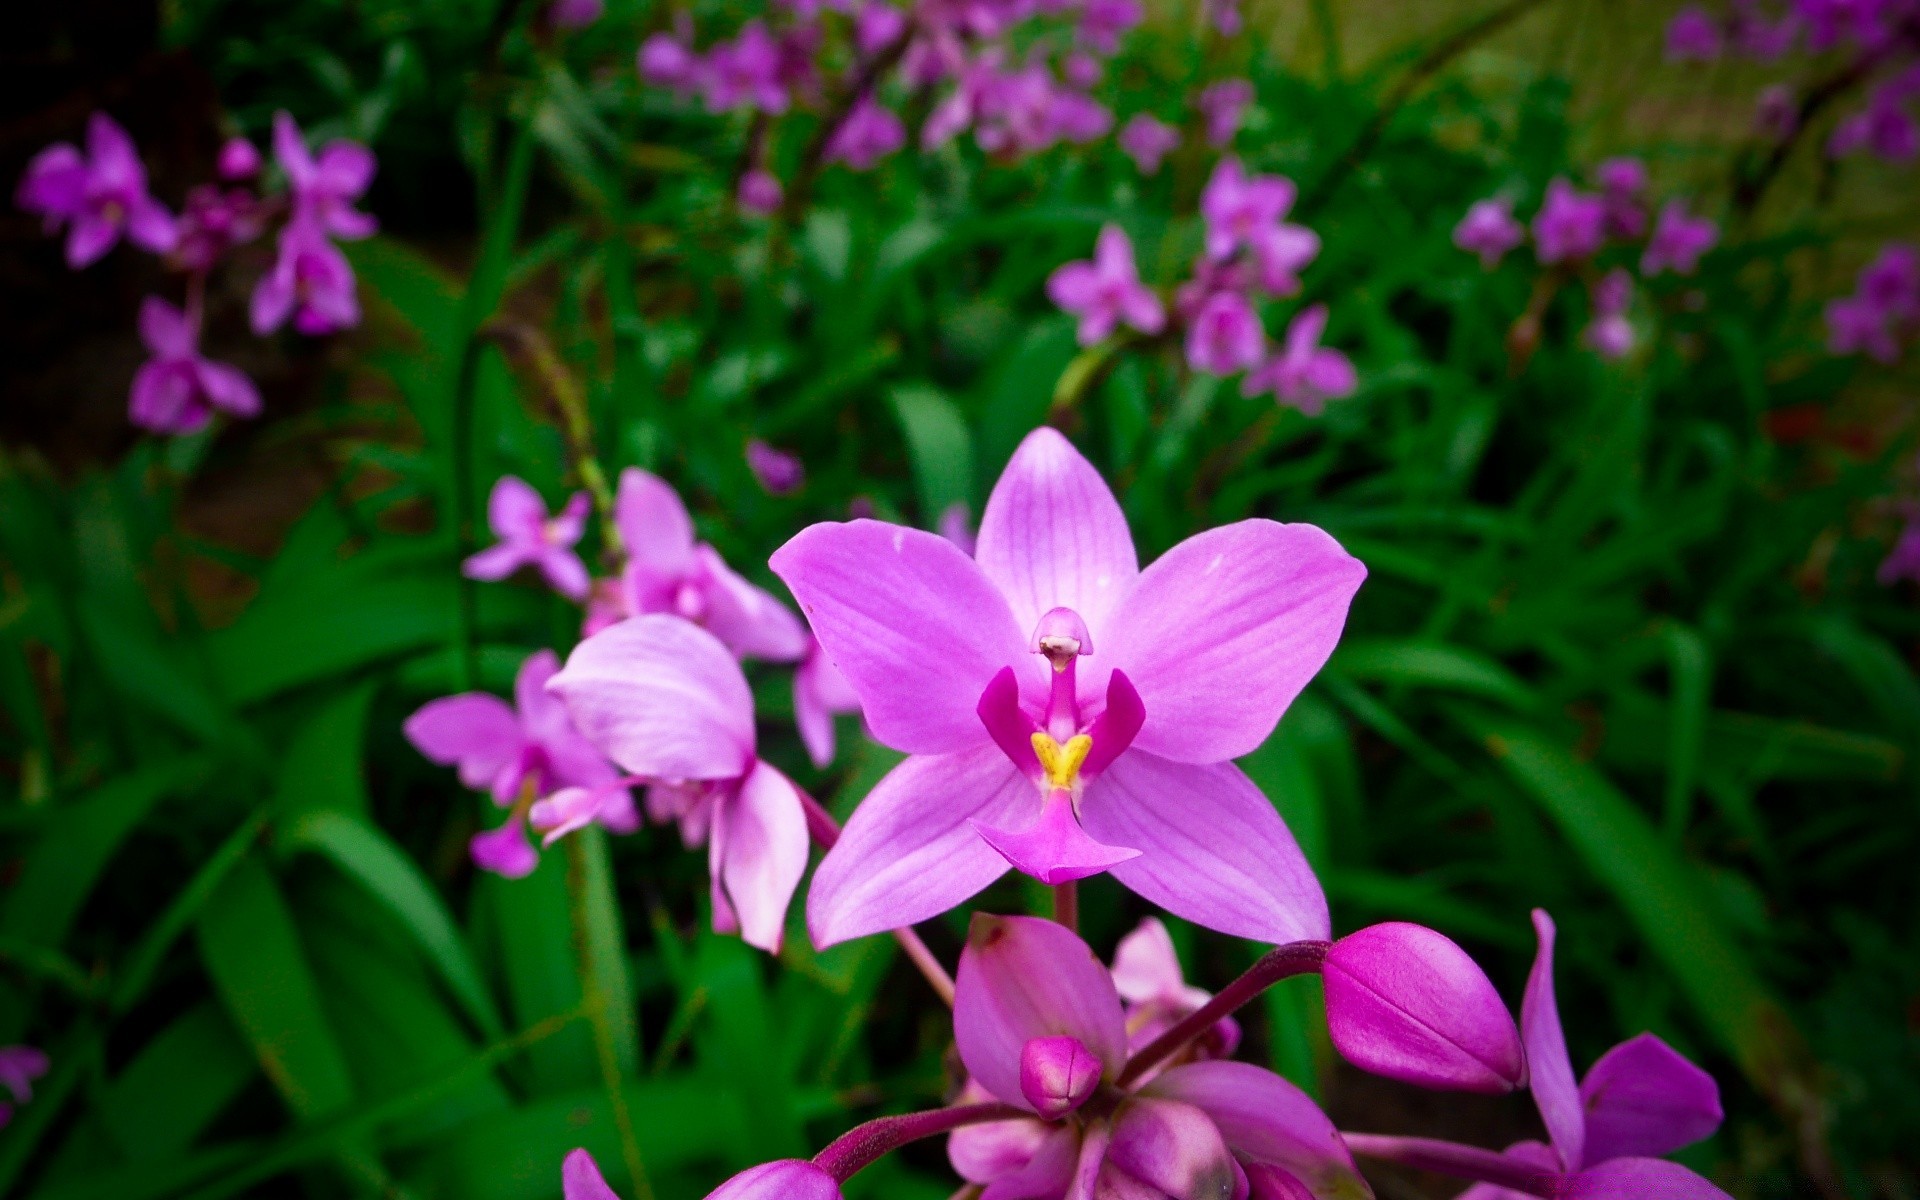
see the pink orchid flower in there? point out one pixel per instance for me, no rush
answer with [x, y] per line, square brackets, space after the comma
[667, 702]
[667, 571]
[1490, 230]
[311, 282]
[1223, 105]
[1304, 374]
[99, 196]
[869, 133]
[178, 389]
[529, 538]
[1040, 1027]
[1147, 140]
[1678, 241]
[19, 1067]
[519, 753]
[324, 186]
[1146, 973]
[819, 692]
[1243, 210]
[1224, 335]
[1571, 223]
[1066, 712]
[1107, 291]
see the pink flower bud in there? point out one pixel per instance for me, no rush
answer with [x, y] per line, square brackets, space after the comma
[1407, 1003]
[239, 159]
[788, 1179]
[1057, 1074]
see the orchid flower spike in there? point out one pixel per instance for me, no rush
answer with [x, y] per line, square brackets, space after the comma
[99, 196]
[529, 538]
[1065, 712]
[1039, 1026]
[519, 753]
[666, 701]
[667, 571]
[179, 389]
[1106, 292]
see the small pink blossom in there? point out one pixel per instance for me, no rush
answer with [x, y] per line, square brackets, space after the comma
[99, 196]
[1104, 22]
[1304, 374]
[324, 186]
[779, 472]
[1250, 211]
[1106, 292]
[239, 160]
[1693, 36]
[665, 60]
[1147, 140]
[819, 693]
[1222, 105]
[213, 222]
[19, 1067]
[878, 25]
[1623, 181]
[1224, 335]
[1225, 16]
[746, 72]
[310, 282]
[1678, 241]
[760, 192]
[528, 538]
[869, 132]
[178, 390]
[1609, 332]
[1489, 230]
[1570, 225]
[1146, 973]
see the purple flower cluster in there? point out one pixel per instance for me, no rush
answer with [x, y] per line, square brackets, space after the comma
[101, 196]
[1883, 313]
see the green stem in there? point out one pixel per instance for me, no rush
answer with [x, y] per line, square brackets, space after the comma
[599, 1006]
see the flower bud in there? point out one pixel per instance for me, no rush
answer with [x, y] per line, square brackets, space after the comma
[1057, 1074]
[1407, 1003]
[788, 1179]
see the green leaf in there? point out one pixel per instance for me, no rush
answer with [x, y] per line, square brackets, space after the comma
[939, 445]
[533, 931]
[182, 1079]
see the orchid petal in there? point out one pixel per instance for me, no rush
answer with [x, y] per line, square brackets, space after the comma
[515, 512]
[1271, 1183]
[914, 625]
[564, 572]
[1638, 1179]
[474, 731]
[1022, 978]
[653, 523]
[229, 389]
[1644, 1100]
[1212, 849]
[1171, 1147]
[1145, 966]
[165, 329]
[1047, 1173]
[1053, 535]
[908, 852]
[766, 854]
[993, 1149]
[1551, 1070]
[749, 619]
[580, 1178]
[788, 1179]
[1533, 1154]
[1255, 608]
[505, 851]
[662, 698]
[496, 562]
[1265, 1119]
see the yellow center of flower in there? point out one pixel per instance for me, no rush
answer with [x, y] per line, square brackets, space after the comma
[1062, 763]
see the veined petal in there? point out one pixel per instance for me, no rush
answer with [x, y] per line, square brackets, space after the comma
[474, 731]
[1053, 536]
[1265, 1119]
[1212, 849]
[1173, 1147]
[1053, 848]
[1639, 1179]
[909, 851]
[1644, 1100]
[662, 698]
[914, 625]
[1023, 978]
[1047, 1173]
[1146, 968]
[653, 523]
[989, 1151]
[1222, 632]
[1548, 1065]
[766, 854]
[749, 619]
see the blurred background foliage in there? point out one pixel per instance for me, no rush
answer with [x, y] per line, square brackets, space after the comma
[1621, 653]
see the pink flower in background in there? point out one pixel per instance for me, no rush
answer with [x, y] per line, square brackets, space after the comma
[1304, 373]
[518, 517]
[324, 187]
[1147, 141]
[311, 282]
[1884, 309]
[1224, 335]
[213, 222]
[1106, 292]
[239, 159]
[1760, 39]
[1623, 182]
[878, 25]
[1678, 241]
[1776, 114]
[1903, 561]
[1222, 105]
[1885, 126]
[760, 192]
[1490, 230]
[518, 753]
[666, 701]
[744, 73]
[668, 571]
[1247, 211]
[1146, 973]
[1570, 224]
[1065, 712]
[178, 390]
[1857, 326]
[665, 60]
[1608, 331]
[1225, 16]
[1693, 36]
[1104, 22]
[869, 133]
[19, 1067]
[575, 14]
[820, 692]
[1039, 1026]
[99, 196]
[1892, 281]
[780, 473]
[956, 525]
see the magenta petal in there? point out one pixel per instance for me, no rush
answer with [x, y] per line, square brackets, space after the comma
[1638, 1179]
[765, 856]
[1048, 1170]
[662, 698]
[1054, 849]
[515, 512]
[986, 1152]
[1173, 1147]
[912, 623]
[653, 523]
[1225, 629]
[1146, 968]
[1114, 729]
[580, 1178]
[1008, 725]
[1548, 1065]
[474, 731]
[908, 852]
[1533, 1154]
[1023, 978]
[1057, 1074]
[1212, 849]
[747, 618]
[1265, 1119]
[789, 1179]
[505, 851]
[1053, 535]
[165, 329]
[497, 561]
[1644, 1100]
[1407, 1003]
[1272, 1183]
[229, 389]
[564, 572]
[566, 811]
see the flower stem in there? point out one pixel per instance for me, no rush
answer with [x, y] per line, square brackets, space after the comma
[1066, 904]
[863, 1145]
[599, 1007]
[1453, 1159]
[1295, 958]
[826, 831]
